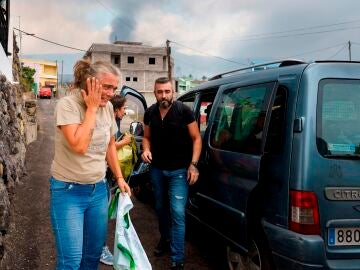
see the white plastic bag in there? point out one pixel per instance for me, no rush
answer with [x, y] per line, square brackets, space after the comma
[128, 251]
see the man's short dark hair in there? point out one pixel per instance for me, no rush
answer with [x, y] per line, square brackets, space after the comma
[118, 101]
[162, 80]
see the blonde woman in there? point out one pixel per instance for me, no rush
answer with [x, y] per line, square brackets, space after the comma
[84, 145]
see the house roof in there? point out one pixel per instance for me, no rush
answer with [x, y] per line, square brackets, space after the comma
[126, 47]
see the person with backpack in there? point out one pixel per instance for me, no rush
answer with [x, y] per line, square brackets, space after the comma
[172, 144]
[118, 103]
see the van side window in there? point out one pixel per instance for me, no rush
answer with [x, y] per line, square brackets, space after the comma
[240, 117]
[206, 100]
[274, 138]
[189, 101]
[338, 116]
[134, 112]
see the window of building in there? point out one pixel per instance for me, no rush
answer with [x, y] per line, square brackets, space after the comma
[127, 79]
[134, 79]
[164, 63]
[151, 60]
[131, 59]
[116, 59]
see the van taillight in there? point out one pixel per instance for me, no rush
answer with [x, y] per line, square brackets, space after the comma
[304, 212]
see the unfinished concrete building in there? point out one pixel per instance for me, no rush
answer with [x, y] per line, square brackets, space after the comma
[139, 64]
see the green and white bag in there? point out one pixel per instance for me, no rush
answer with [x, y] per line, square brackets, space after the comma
[128, 251]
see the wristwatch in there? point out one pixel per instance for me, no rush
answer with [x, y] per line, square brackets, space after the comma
[194, 163]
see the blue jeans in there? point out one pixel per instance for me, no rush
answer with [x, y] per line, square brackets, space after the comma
[171, 192]
[79, 222]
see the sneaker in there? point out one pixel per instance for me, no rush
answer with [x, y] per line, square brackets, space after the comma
[177, 266]
[106, 256]
[162, 247]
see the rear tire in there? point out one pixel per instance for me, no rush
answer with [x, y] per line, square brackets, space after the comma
[257, 258]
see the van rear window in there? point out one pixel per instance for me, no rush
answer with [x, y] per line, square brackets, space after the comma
[338, 118]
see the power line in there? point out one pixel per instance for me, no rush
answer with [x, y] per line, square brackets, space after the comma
[108, 9]
[293, 56]
[191, 65]
[276, 34]
[195, 69]
[49, 41]
[293, 35]
[115, 15]
[318, 50]
[305, 34]
[306, 28]
[343, 47]
[215, 56]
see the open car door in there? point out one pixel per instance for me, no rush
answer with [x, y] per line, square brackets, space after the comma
[135, 107]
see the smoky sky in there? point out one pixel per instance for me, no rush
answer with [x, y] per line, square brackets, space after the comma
[207, 36]
[126, 19]
[122, 28]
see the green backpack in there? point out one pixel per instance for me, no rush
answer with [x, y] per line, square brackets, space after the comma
[127, 157]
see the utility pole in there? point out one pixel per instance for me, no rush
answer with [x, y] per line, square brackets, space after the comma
[168, 55]
[62, 71]
[57, 76]
[349, 43]
[20, 37]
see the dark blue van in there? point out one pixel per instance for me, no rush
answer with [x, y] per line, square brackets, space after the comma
[280, 166]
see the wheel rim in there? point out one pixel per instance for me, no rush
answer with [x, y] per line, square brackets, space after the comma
[254, 261]
[236, 261]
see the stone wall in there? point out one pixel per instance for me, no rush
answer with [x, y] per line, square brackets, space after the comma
[13, 127]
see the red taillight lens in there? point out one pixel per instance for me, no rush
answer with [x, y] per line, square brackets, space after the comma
[304, 212]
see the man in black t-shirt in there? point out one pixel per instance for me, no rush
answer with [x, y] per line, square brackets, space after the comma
[172, 144]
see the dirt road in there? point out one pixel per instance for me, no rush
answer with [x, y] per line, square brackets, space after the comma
[31, 243]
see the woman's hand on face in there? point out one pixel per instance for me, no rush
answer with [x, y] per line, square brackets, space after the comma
[92, 97]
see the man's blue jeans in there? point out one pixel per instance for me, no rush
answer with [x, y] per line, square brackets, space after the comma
[171, 192]
[79, 221]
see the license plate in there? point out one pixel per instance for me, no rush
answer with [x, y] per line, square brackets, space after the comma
[344, 237]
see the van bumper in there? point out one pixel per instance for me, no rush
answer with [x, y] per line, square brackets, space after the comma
[294, 251]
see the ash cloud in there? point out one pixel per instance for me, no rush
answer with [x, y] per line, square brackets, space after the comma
[124, 25]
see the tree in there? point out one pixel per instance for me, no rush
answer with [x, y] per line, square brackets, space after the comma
[27, 77]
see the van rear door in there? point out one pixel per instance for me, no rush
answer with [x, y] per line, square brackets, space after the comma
[338, 143]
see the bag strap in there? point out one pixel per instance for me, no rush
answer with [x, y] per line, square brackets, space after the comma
[120, 137]
[113, 204]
